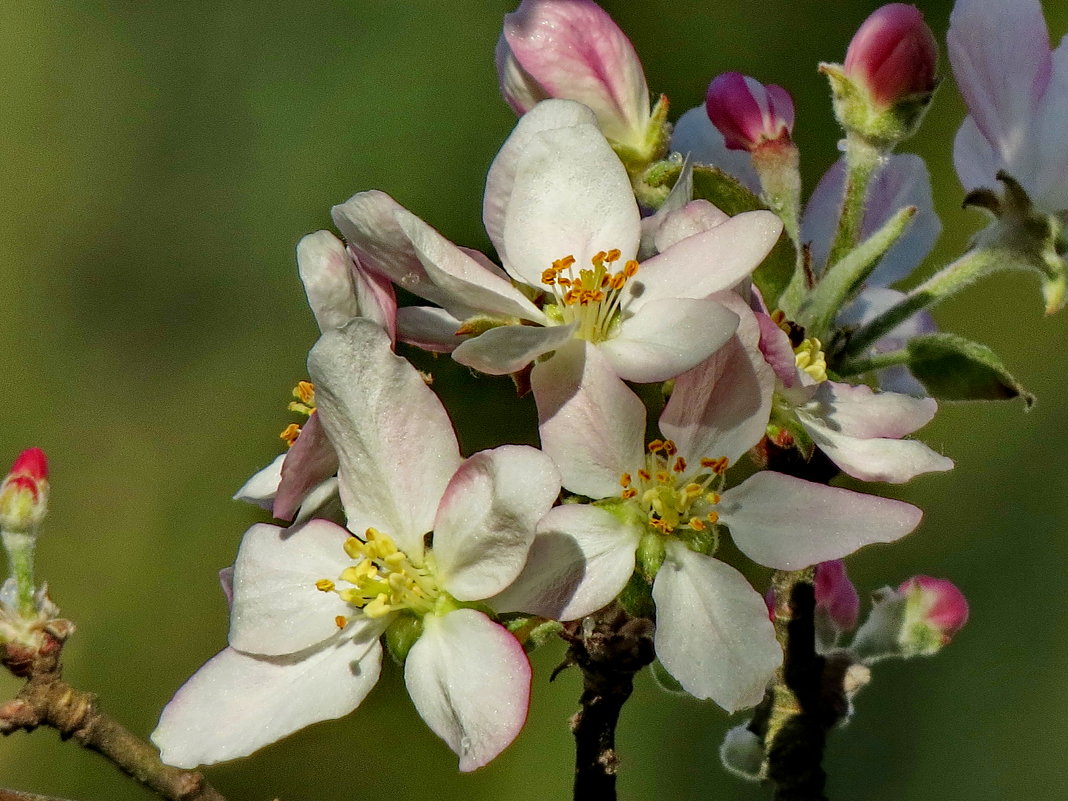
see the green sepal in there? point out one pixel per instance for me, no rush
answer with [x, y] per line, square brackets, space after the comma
[664, 680]
[531, 631]
[637, 597]
[402, 634]
[954, 368]
[650, 554]
[655, 146]
[859, 115]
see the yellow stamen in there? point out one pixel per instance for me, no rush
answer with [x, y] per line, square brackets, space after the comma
[290, 434]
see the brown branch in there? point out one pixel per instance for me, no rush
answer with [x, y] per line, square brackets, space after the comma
[17, 795]
[47, 700]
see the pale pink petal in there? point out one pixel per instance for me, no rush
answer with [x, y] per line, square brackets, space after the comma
[307, 464]
[376, 297]
[277, 608]
[509, 348]
[574, 50]
[694, 218]
[776, 349]
[721, 407]
[326, 272]
[470, 681]
[712, 629]
[518, 87]
[860, 411]
[1051, 183]
[591, 423]
[1001, 60]
[892, 460]
[974, 158]
[709, 262]
[581, 559]
[786, 523]
[395, 444]
[236, 703]
[485, 524]
[262, 485]
[429, 328]
[667, 337]
[459, 276]
[501, 179]
[696, 136]
[571, 197]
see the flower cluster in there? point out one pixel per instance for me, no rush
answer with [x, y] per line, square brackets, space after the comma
[641, 270]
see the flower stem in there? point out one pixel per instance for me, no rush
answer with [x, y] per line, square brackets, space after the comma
[609, 647]
[861, 161]
[19, 546]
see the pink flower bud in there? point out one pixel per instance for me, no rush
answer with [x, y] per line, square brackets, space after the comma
[747, 112]
[935, 610]
[836, 597]
[893, 54]
[571, 49]
[24, 493]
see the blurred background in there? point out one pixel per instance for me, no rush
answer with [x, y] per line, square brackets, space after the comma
[158, 163]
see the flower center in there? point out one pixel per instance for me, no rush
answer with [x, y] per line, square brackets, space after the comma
[591, 297]
[810, 358]
[673, 498]
[384, 579]
[304, 392]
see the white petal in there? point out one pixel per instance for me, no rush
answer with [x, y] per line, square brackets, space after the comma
[667, 337]
[892, 460]
[709, 262]
[509, 348]
[581, 560]
[501, 179]
[236, 703]
[591, 423]
[470, 681]
[262, 485]
[722, 406]
[429, 328]
[974, 158]
[571, 197]
[276, 607]
[696, 217]
[485, 524]
[326, 271]
[1051, 183]
[460, 276]
[859, 411]
[395, 444]
[712, 630]
[786, 523]
[695, 135]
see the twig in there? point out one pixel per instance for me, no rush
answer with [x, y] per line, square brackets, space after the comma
[47, 700]
[17, 795]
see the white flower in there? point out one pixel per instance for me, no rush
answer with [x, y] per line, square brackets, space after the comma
[311, 603]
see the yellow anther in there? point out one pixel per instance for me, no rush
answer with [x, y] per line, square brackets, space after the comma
[341, 621]
[809, 358]
[697, 524]
[712, 497]
[663, 477]
[353, 548]
[630, 269]
[630, 493]
[670, 448]
[680, 465]
[548, 277]
[656, 446]
[378, 607]
[692, 491]
[713, 517]
[612, 255]
[304, 391]
[564, 264]
[324, 585]
[617, 281]
[625, 480]
[707, 463]
[290, 434]
[644, 475]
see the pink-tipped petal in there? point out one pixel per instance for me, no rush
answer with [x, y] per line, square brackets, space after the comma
[470, 681]
[893, 55]
[591, 423]
[485, 524]
[326, 271]
[747, 112]
[712, 630]
[395, 445]
[581, 560]
[429, 328]
[307, 464]
[518, 87]
[786, 523]
[666, 337]
[835, 594]
[236, 703]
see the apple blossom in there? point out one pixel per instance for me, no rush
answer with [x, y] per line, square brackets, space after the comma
[918, 618]
[747, 112]
[893, 55]
[311, 603]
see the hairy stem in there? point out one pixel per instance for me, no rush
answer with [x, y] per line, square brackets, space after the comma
[609, 648]
[47, 700]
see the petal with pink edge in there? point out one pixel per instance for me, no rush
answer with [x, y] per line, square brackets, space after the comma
[429, 328]
[236, 703]
[486, 521]
[571, 197]
[591, 423]
[721, 407]
[470, 681]
[500, 181]
[276, 607]
[786, 523]
[581, 560]
[667, 337]
[712, 630]
[860, 411]
[395, 445]
[509, 348]
[326, 272]
[892, 460]
[309, 463]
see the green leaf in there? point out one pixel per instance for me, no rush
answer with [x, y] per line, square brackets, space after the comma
[954, 368]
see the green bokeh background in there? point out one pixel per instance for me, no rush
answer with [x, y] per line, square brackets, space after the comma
[159, 161]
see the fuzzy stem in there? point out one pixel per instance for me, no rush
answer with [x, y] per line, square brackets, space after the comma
[46, 700]
[876, 361]
[861, 161]
[19, 546]
[609, 648]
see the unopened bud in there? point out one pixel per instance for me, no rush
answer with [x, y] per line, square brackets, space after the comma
[24, 493]
[837, 602]
[893, 55]
[935, 610]
[747, 112]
